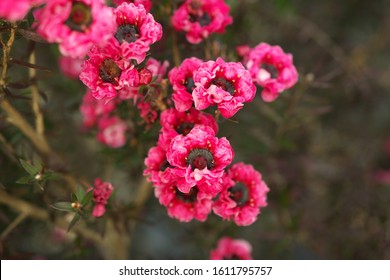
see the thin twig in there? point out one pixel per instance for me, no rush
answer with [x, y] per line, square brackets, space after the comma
[6, 54]
[39, 124]
[20, 218]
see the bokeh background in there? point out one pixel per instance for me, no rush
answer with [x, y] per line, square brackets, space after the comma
[319, 146]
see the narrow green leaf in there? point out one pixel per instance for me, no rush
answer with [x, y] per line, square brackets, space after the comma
[31, 169]
[49, 175]
[63, 206]
[75, 219]
[80, 193]
[87, 198]
[25, 180]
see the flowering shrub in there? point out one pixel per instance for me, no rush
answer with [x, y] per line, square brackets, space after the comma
[164, 110]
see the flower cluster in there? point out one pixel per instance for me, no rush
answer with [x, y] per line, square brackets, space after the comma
[232, 249]
[189, 171]
[270, 67]
[101, 193]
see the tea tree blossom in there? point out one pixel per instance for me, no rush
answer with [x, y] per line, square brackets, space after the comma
[228, 85]
[75, 25]
[174, 123]
[185, 207]
[135, 31]
[271, 68]
[199, 159]
[112, 132]
[243, 195]
[101, 193]
[146, 3]
[232, 249]
[199, 18]
[182, 81]
[16, 10]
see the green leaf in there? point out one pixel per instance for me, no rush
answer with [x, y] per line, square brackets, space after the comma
[25, 180]
[63, 206]
[80, 193]
[75, 219]
[31, 169]
[87, 198]
[49, 175]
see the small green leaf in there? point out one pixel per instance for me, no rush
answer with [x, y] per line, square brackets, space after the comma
[87, 198]
[25, 180]
[63, 206]
[31, 169]
[49, 175]
[75, 219]
[80, 193]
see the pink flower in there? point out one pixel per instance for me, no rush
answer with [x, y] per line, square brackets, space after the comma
[184, 206]
[101, 194]
[157, 68]
[112, 132]
[147, 112]
[70, 66]
[199, 159]
[225, 84]
[16, 10]
[382, 176]
[243, 195]
[200, 18]
[157, 167]
[146, 3]
[232, 249]
[75, 25]
[272, 69]
[182, 81]
[105, 73]
[93, 109]
[174, 123]
[136, 30]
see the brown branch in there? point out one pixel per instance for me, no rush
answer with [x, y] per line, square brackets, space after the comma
[39, 124]
[6, 54]
[15, 118]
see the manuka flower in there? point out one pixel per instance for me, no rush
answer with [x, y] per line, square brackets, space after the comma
[232, 249]
[92, 109]
[158, 167]
[112, 132]
[243, 194]
[146, 3]
[105, 73]
[75, 25]
[16, 10]
[225, 84]
[200, 18]
[101, 193]
[183, 83]
[174, 123]
[184, 206]
[135, 31]
[71, 67]
[271, 68]
[199, 159]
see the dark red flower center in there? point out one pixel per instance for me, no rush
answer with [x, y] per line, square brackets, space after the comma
[189, 84]
[187, 197]
[80, 17]
[109, 71]
[184, 128]
[239, 193]
[270, 69]
[203, 20]
[127, 32]
[164, 165]
[224, 84]
[200, 158]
